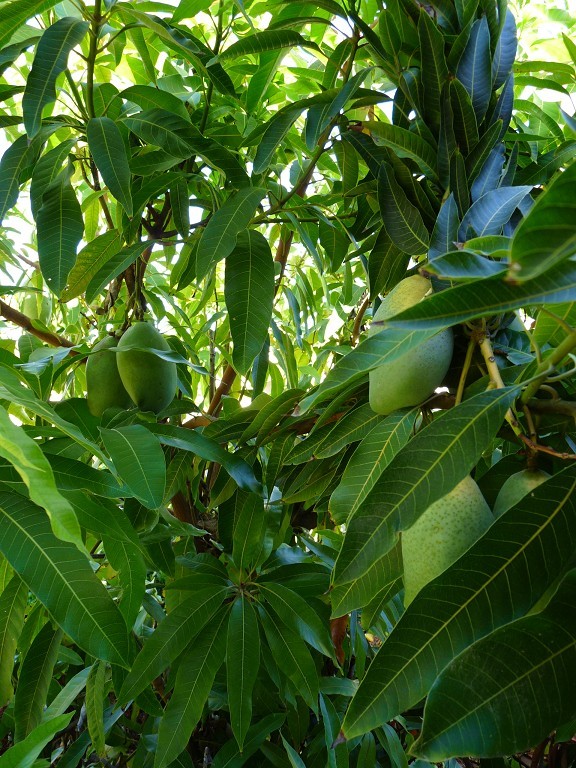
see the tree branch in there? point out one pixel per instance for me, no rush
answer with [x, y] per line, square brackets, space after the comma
[22, 320]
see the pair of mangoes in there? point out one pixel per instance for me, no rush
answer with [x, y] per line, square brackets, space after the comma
[131, 375]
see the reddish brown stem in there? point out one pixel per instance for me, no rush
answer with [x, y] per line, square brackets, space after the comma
[18, 318]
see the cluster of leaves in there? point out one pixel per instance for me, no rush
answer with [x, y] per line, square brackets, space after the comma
[210, 586]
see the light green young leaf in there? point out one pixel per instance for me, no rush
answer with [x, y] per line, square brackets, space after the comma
[24, 754]
[34, 680]
[50, 60]
[62, 579]
[33, 467]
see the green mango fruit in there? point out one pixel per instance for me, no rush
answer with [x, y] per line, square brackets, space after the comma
[442, 534]
[37, 307]
[104, 388]
[410, 379]
[149, 380]
[516, 487]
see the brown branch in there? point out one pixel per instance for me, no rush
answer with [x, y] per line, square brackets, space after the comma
[532, 446]
[198, 421]
[359, 317]
[22, 320]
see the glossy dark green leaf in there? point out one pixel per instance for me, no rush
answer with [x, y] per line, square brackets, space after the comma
[34, 680]
[242, 665]
[268, 40]
[60, 227]
[13, 162]
[505, 52]
[139, 460]
[109, 152]
[495, 582]
[62, 579]
[196, 672]
[170, 638]
[481, 151]
[221, 233]
[465, 123]
[547, 235]
[24, 754]
[249, 294]
[148, 97]
[459, 182]
[504, 673]
[180, 202]
[419, 475]
[402, 220]
[465, 265]
[435, 72]
[251, 546]
[492, 211]
[15, 13]
[94, 702]
[386, 264]
[491, 174]
[229, 756]
[12, 608]
[46, 170]
[406, 144]
[110, 265]
[50, 60]
[445, 232]
[475, 67]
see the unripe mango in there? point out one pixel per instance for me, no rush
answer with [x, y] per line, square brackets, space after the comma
[442, 534]
[149, 380]
[516, 487]
[104, 388]
[412, 378]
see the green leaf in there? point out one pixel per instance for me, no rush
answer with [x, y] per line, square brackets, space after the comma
[260, 42]
[445, 232]
[14, 161]
[435, 71]
[180, 202]
[402, 220]
[275, 131]
[66, 695]
[221, 233]
[209, 449]
[34, 680]
[465, 265]
[293, 756]
[505, 52]
[299, 616]
[465, 124]
[242, 665]
[91, 258]
[139, 460]
[229, 756]
[293, 657]
[511, 671]
[249, 294]
[50, 60]
[251, 546]
[547, 234]
[12, 607]
[475, 67]
[495, 582]
[14, 14]
[492, 211]
[33, 467]
[109, 152]
[59, 230]
[196, 672]
[110, 265]
[369, 461]
[490, 176]
[488, 297]
[406, 144]
[94, 702]
[418, 476]
[46, 170]
[62, 579]
[381, 581]
[24, 754]
[148, 97]
[174, 633]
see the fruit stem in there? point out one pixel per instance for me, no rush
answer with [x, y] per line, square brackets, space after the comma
[547, 366]
[496, 380]
[465, 369]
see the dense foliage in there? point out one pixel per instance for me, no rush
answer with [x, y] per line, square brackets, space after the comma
[216, 578]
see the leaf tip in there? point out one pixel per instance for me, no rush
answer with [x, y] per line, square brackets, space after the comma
[340, 739]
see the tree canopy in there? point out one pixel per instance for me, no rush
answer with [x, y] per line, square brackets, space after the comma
[287, 391]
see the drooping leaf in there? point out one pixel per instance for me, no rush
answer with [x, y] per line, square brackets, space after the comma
[13, 162]
[242, 665]
[46, 170]
[503, 673]
[50, 60]
[402, 220]
[139, 460]
[505, 52]
[251, 546]
[170, 638]
[12, 607]
[34, 680]
[267, 40]
[31, 464]
[249, 294]
[495, 582]
[547, 235]
[94, 702]
[62, 579]
[221, 233]
[109, 152]
[492, 211]
[60, 227]
[406, 144]
[418, 476]
[95, 254]
[196, 672]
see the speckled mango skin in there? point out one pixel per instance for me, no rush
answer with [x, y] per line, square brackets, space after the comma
[104, 388]
[516, 487]
[410, 379]
[442, 534]
[149, 380]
